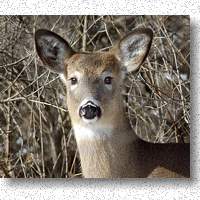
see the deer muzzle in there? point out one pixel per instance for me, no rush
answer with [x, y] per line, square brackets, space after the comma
[90, 111]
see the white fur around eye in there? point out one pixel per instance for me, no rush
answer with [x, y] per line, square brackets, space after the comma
[109, 87]
[78, 76]
[72, 87]
[65, 81]
[103, 76]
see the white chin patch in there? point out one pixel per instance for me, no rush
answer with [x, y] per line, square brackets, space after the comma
[88, 121]
[85, 132]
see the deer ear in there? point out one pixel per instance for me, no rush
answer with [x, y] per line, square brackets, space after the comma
[134, 48]
[52, 50]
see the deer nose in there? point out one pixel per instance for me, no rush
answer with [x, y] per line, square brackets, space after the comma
[90, 111]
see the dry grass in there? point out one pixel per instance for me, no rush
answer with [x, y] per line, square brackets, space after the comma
[35, 131]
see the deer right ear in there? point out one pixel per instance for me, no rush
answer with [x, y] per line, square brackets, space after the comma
[134, 48]
[52, 50]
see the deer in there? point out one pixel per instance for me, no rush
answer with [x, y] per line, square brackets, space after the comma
[107, 145]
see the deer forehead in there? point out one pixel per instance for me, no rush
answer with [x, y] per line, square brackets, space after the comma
[92, 64]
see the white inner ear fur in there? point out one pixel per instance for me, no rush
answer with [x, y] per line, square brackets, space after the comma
[133, 50]
[50, 42]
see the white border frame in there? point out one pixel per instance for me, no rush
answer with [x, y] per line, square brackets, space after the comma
[121, 188]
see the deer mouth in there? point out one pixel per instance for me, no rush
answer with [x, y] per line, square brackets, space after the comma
[90, 111]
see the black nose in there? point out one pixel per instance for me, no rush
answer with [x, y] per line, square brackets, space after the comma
[90, 110]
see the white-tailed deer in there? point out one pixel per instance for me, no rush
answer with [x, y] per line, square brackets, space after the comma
[107, 145]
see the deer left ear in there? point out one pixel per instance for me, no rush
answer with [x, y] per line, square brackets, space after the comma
[134, 48]
[52, 50]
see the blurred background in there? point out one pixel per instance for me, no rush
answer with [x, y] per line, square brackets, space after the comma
[36, 138]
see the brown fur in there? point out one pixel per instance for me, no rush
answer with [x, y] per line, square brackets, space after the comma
[92, 64]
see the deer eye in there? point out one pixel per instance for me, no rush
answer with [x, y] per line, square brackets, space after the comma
[108, 80]
[73, 80]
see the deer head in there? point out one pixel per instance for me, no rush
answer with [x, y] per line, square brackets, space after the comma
[93, 80]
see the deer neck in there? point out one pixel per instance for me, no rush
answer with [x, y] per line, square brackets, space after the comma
[106, 149]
